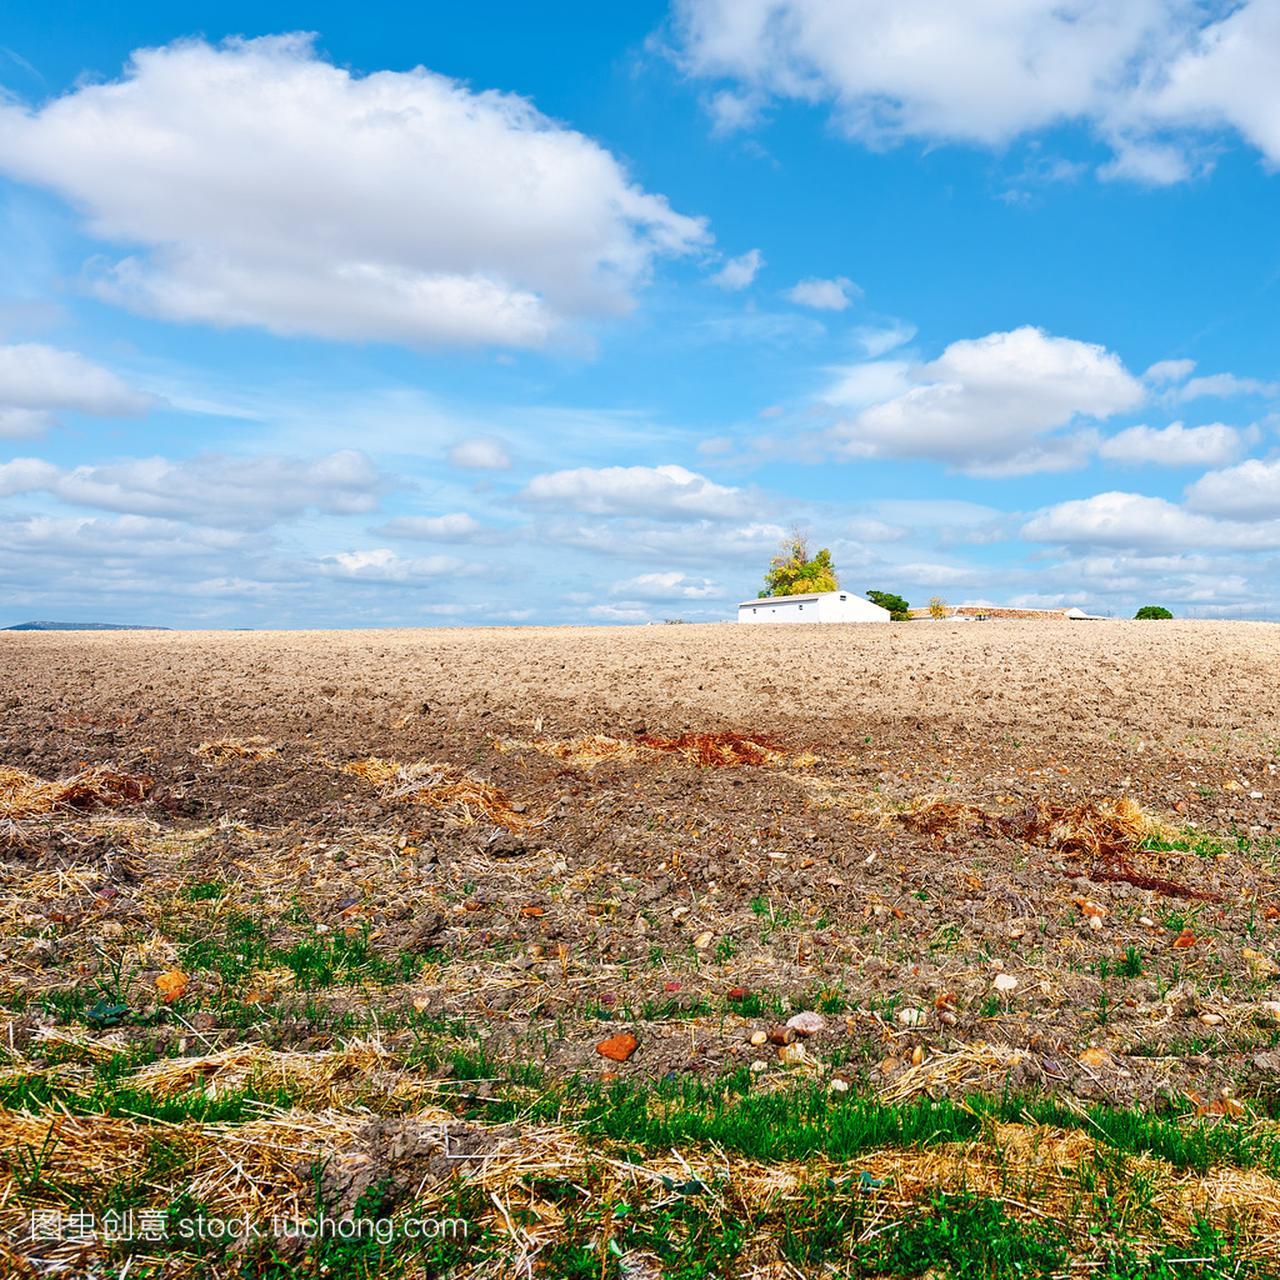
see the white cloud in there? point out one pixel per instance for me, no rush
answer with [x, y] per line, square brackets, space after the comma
[27, 475]
[667, 586]
[869, 529]
[269, 187]
[1131, 520]
[38, 382]
[878, 341]
[456, 526]
[383, 565]
[24, 424]
[739, 272]
[1147, 163]
[1166, 371]
[480, 453]
[701, 542]
[663, 493]
[857, 385]
[213, 489]
[88, 540]
[1226, 76]
[824, 295]
[1250, 491]
[1176, 445]
[926, 574]
[1223, 386]
[986, 404]
[1152, 77]
[624, 613]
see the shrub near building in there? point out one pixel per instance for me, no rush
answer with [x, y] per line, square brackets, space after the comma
[899, 609]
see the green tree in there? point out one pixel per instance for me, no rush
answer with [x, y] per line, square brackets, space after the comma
[899, 609]
[1153, 611]
[793, 572]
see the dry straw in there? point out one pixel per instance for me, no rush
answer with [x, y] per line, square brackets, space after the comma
[23, 795]
[265, 1167]
[463, 798]
[223, 750]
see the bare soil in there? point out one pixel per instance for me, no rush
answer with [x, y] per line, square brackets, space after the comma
[650, 892]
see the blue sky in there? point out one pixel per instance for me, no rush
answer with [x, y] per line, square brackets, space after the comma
[315, 317]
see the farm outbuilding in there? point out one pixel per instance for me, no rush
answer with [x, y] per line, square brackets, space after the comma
[821, 606]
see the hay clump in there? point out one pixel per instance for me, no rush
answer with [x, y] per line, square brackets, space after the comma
[1098, 829]
[462, 798]
[222, 750]
[1108, 832]
[103, 786]
[585, 752]
[717, 750]
[362, 1074]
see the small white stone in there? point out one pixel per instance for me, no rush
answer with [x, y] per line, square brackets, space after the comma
[1005, 982]
[912, 1017]
[807, 1023]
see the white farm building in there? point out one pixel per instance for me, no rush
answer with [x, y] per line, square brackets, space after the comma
[822, 606]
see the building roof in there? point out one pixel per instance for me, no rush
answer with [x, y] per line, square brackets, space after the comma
[813, 595]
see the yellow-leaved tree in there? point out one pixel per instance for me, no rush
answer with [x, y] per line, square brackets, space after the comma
[793, 571]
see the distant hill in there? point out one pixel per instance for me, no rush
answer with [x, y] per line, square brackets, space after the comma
[80, 626]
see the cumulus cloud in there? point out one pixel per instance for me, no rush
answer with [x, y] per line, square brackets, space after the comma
[1164, 372]
[986, 405]
[480, 453]
[663, 493]
[1152, 77]
[1227, 75]
[27, 475]
[87, 540]
[1176, 445]
[667, 586]
[823, 295]
[740, 272]
[699, 542]
[1131, 520]
[268, 187]
[456, 526]
[1250, 491]
[383, 565]
[213, 489]
[38, 382]
[622, 613]
[1223, 386]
